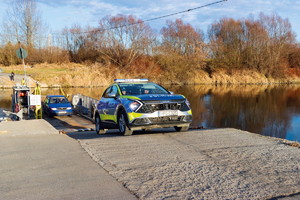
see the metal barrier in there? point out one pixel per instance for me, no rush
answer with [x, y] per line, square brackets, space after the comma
[84, 104]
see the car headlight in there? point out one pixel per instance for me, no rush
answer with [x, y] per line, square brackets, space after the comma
[134, 106]
[69, 108]
[53, 108]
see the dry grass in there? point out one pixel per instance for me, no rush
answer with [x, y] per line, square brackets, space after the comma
[79, 75]
[243, 76]
[67, 75]
[288, 142]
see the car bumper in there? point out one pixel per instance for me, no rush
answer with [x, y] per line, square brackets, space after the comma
[61, 112]
[155, 120]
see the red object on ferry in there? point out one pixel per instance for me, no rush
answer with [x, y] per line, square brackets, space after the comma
[22, 94]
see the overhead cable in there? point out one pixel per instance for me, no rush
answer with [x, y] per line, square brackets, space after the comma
[156, 18]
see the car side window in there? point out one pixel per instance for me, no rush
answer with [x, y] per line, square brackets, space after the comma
[114, 90]
[52, 100]
[107, 91]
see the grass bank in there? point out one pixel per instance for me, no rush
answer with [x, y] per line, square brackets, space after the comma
[79, 75]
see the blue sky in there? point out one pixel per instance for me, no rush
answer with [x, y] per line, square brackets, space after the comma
[65, 13]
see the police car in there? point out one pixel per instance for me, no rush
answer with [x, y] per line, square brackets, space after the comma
[132, 104]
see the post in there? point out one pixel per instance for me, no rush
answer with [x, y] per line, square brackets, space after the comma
[22, 56]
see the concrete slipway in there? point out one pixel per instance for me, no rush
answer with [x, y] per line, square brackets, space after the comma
[39, 163]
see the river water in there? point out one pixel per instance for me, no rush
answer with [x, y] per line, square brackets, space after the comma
[270, 110]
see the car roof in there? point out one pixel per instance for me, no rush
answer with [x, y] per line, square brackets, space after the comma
[134, 83]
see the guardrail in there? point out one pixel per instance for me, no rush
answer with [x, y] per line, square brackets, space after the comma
[84, 104]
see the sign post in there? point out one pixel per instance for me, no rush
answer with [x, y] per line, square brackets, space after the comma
[22, 54]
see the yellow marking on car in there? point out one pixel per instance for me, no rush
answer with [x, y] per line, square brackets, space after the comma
[130, 97]
[134, 115]
[119, 90]
[104, 117]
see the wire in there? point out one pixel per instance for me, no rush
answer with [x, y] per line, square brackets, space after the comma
[139, 22]
[182, 17]
[156, 18]
[152, 19]
[168, 15]
[185, 12]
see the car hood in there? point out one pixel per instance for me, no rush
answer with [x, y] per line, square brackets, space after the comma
[159, 98]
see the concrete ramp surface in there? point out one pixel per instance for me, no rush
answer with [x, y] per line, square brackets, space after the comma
[39, 163]
[27, 127]
[201, 164]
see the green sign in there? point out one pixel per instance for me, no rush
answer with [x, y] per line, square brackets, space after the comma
[21, 53]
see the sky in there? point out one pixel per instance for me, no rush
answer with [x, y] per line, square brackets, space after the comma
[59, 14]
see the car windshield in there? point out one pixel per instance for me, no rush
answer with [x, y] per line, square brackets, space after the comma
[141, 88]
[58, 100]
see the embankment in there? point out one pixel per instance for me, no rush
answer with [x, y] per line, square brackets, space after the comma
[79, 75]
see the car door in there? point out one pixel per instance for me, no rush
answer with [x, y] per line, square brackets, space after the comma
[103, 105]
[46, 105]
[113, 104]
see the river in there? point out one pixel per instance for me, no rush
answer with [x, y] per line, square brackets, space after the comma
[270, 110]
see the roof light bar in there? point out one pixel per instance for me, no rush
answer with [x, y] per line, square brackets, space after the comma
[130, 80]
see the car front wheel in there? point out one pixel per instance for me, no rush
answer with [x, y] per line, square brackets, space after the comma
[98, 126]
[123, 124]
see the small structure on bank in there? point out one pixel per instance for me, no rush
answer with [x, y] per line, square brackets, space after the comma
[22, 98]
[24, 102]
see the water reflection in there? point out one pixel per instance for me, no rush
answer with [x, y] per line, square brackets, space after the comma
[5, 99]
[271, 110]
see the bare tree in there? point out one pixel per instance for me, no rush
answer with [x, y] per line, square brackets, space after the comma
[124, 37]
[182, 50]
[262, 44]
[182, 38]
[24, 20]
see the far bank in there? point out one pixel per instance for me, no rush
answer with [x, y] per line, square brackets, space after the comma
[95, 75]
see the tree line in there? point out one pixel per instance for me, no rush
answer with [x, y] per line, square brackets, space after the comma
[266, 44]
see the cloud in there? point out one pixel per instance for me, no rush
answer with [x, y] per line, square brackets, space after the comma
[92, 11]
[59, 3]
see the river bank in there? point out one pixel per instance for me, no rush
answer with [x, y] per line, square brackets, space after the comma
[79, 75]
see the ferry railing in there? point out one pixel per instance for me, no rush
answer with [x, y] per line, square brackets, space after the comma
[84, 104]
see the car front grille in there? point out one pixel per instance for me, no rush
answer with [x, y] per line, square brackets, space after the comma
[155, 120]
[151, 107]
[162, 120]
[158, 120]
[61, 108]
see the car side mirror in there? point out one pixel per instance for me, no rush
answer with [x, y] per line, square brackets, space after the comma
[171, 92]
[112, 95]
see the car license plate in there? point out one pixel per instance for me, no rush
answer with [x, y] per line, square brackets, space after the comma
[62, 112]
[167, 113]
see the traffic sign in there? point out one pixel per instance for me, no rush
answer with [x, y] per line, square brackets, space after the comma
[21, 53]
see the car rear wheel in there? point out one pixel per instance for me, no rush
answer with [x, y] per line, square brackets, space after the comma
[98, 126]
[123, 123]
[181, 129]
